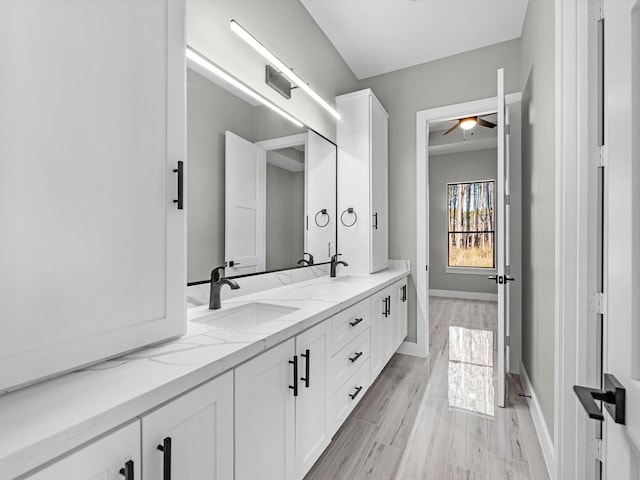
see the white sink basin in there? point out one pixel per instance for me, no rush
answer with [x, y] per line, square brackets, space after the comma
[245, 317]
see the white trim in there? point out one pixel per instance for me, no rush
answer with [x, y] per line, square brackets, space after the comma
[490, 297]
[468, 146]
[423, 117]
[470, 270]
[538, 420]
[285, 142]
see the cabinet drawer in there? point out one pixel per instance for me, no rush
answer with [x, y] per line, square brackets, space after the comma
[347, 361]
[348, 396]
[347, 325]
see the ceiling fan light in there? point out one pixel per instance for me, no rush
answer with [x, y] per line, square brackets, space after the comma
[468, 123]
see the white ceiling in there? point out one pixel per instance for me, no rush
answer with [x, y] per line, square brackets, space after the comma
[380, 36]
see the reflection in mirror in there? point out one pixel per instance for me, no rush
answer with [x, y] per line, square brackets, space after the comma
[257, 185]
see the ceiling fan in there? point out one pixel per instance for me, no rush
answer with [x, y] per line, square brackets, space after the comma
[470, 122]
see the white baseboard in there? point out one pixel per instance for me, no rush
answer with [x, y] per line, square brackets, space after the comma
[491, 297]
[538, 420]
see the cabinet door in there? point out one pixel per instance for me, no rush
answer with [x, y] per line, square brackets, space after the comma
[312, 433]
[378, 307]
[102, 459]
[379, 249]
[264, 414]
[195, 432]
[92, 252]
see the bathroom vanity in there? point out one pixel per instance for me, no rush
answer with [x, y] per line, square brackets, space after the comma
[267, 380]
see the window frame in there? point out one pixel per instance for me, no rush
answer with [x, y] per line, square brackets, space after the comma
[466, 270]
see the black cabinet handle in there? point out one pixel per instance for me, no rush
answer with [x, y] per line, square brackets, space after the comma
[404, 293]
[127, 471]
[384, 302]
[356, 393]
[307, 367]
[357, 321]
[165, 448]
[613, 397]
[180, 172]
[294, 387]
[375, 223]
[355, 357]
[388, 305]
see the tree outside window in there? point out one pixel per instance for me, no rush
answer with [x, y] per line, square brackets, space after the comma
[471, 230]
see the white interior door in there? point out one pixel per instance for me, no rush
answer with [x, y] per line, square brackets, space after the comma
[501, 243]
[320, 192]
[245, 206]
[622, 232]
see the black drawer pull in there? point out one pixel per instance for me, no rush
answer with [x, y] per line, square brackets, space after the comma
[180, 172]
[357, 321]
[307, 356]
[165, 448]
[385, 312]
[355, 357]
[356, 393]
[388, 304]
[294, 387]
[375, 221]
[127, 471]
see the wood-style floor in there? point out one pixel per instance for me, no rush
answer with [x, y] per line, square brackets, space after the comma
[435, 418]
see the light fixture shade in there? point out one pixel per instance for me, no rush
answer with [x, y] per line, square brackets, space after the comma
[202, 61]
[279, 64]
[468, 123]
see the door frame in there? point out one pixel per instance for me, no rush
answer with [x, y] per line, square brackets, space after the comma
[573, 114]
[423, 118]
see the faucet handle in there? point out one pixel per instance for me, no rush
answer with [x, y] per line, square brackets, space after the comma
[215, 273]
[334, 258]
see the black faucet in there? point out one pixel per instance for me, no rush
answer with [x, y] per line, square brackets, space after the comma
[304, 261]
[335, 263]
[216, 285]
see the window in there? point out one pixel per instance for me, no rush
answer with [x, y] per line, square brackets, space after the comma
[471, 231]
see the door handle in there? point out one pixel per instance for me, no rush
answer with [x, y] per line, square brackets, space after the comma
[375, 223]
[388, 304]
[180, 172]
[294, 387]
[232, 263]
[165, 448]
[307, 367]
[509, 279]
[613, 397]
[493, 277]
[127, 471]
[384, 302]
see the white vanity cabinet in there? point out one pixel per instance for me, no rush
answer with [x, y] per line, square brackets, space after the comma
[280, 408]
[116, 456]
[191, 437]
[362, 136]
[93, 114]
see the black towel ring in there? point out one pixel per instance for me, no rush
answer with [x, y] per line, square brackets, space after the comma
[323, 212]
[349, 210]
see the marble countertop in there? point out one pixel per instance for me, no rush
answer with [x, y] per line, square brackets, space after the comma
[45, 420]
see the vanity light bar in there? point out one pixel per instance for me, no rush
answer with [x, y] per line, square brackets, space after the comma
[284, 70]
[205, 63]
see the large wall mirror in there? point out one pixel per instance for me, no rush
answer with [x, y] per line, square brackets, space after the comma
[261, 192]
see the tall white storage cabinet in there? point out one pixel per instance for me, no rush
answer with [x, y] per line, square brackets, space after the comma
[363, 231]
[92, 127]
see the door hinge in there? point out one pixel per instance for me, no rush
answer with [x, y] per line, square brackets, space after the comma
[507, 199]
[599, 156]
[507, 341]
[595, 448]
[597, 303]
[426, 268]
[507, 270]
[507, 129]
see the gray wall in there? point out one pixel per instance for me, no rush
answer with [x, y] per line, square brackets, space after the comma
[459, 78]
[285, 217]
[538, 202]
[449, 168]
[210, 111]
